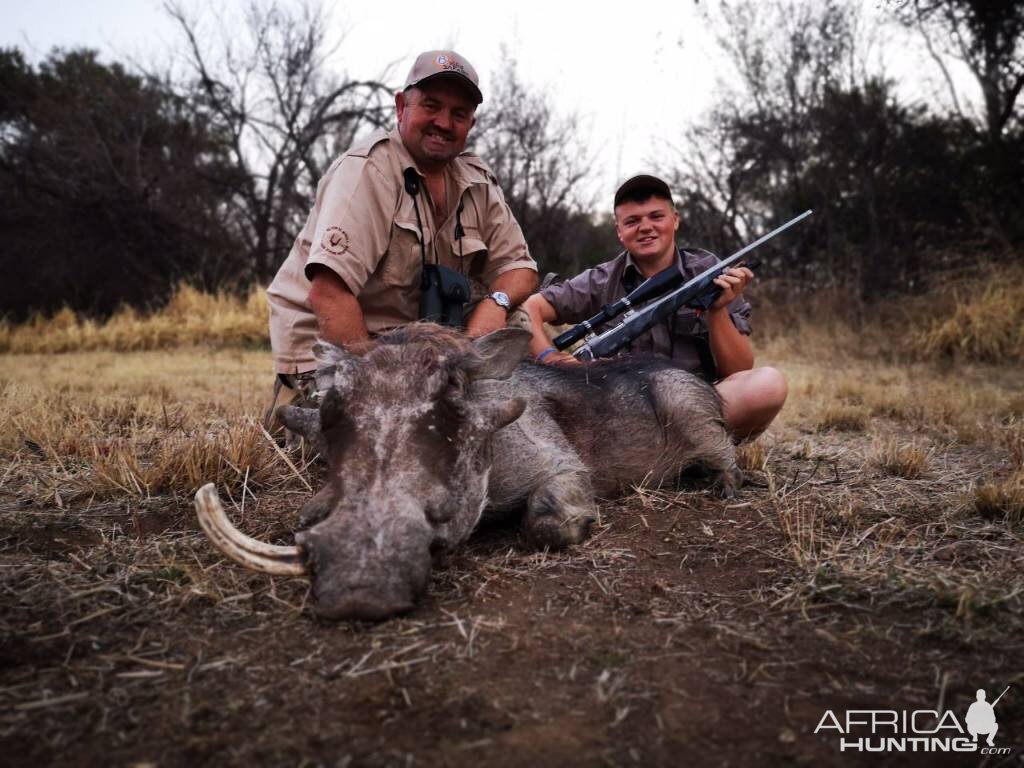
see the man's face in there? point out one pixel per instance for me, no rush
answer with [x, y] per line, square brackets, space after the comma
[648, 229]
[434, 120]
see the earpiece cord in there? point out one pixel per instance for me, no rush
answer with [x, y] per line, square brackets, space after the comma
[459, 232]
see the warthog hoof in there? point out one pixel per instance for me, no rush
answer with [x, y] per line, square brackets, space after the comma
[555, 532]
[728, 482]
[559, 514]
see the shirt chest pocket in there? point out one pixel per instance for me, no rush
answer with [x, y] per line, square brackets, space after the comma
[402, 264]
[473, 249]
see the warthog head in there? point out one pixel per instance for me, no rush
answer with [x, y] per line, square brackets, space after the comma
[404, 426]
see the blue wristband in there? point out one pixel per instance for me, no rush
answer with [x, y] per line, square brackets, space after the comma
[545, 353]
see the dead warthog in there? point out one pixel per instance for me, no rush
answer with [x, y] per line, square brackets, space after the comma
[422, 430]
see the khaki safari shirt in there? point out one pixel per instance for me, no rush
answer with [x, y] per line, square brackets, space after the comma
[363, 228]
[679, 337]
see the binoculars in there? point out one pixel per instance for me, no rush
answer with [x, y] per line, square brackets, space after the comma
[443, 297]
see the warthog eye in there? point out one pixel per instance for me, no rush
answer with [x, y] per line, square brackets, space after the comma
[436, 436]
[455, 389]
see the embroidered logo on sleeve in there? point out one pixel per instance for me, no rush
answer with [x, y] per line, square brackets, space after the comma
[335, 241]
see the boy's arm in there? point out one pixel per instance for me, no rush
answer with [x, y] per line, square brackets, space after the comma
[541, 311]
[731, 349]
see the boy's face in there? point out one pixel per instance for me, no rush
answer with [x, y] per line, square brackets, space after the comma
[648, 229]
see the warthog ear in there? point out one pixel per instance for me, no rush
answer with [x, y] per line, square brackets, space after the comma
[302, 421]
[329, 354]
[498, 415]
[502, 351]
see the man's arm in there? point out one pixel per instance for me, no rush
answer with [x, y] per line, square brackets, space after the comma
[338, 314]
[731, 349]
[488, 316]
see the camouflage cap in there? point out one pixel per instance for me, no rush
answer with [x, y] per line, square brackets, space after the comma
[642, 183]
[431, 64]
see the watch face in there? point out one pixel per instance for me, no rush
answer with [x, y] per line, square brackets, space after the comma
[501, 299]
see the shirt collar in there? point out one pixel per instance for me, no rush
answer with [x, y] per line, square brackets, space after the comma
[632, 272]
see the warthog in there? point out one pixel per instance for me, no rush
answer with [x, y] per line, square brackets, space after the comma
[422, 429]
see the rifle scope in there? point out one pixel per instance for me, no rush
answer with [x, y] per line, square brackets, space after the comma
[650, 288]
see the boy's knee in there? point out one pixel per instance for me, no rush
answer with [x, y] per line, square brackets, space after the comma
[772, 386]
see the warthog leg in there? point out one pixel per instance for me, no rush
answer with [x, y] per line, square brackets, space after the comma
[560, 511]
[690, 413]
[536, 463]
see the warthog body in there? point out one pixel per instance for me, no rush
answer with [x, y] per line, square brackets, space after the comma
[423, 431]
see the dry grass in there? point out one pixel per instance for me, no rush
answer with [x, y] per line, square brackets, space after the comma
[977, 318]
[848, 418]
[752, 456]
[1002, 499]
[135, 425]
[834, 393]
[899, 459]
[190, 317]
[981, 320]
[1014, 438]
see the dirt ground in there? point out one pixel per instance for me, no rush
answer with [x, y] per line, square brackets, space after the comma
[688, 630]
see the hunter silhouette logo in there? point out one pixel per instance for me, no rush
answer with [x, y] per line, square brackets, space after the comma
[919, 730]
[334, 241]
[981, 717]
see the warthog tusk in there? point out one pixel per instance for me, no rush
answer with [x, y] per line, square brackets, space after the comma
[254, 554]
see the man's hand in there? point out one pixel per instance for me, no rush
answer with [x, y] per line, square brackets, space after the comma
[517, 284]
[487, 317]
[732, 282]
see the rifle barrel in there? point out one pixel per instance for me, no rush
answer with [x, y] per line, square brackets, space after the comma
[1000, 696]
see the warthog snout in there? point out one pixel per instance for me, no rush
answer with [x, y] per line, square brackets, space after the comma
[368, 564]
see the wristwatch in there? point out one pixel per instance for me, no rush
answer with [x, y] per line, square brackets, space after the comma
[501, 299]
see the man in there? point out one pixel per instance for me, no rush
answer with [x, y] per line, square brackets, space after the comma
[714, 344]
[386, 209]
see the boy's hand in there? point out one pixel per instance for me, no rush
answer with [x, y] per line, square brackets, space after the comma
[732, 282]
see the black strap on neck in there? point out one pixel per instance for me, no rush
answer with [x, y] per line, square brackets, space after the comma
[459, 233]
[412, 186]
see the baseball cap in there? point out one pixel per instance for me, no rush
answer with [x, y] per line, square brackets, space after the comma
[431, 64]
[643, 182]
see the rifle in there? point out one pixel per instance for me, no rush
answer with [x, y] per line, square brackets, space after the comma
[1000, 696]
[650, 288]
[700, 293]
